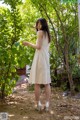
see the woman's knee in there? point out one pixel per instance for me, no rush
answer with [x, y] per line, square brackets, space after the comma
[37, 85]
[47, 85]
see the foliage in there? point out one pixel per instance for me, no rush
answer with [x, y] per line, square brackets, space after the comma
[15, 27]
[17, 23]
[63, 19]
[10, 32]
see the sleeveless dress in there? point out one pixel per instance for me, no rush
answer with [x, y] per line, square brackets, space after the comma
[40, 70]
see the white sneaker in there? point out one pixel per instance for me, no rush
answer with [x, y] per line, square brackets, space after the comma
[46, 107]
[39, 106]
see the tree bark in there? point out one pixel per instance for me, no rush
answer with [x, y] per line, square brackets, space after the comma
[3, 91]
[69, 73]
[65, 49]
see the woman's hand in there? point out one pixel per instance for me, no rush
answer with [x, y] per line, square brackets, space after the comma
[35, 46]
[25, 43]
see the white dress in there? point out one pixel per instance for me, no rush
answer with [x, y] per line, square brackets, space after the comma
[40, 70]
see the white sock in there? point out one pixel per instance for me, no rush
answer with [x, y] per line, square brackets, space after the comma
[47, 104]
[39, 103]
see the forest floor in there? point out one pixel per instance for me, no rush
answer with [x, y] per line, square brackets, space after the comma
[21, 106]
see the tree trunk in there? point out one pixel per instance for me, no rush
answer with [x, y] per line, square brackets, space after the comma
[69, 73]
[65, 50]
[3, 91]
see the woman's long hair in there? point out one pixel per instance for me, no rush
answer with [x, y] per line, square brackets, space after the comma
[44, 26]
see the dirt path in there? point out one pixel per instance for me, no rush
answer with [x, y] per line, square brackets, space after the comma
[20, 106]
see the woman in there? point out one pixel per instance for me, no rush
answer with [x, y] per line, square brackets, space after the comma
[40, 70]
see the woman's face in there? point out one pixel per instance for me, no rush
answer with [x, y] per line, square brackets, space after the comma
[39, 26]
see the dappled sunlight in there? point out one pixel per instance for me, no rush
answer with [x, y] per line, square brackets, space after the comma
[25, 117]
[21, 105]
[51, 112]
[11, 103]
[56, 61]
[11, 115]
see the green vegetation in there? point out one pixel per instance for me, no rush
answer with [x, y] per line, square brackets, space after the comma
[17, 23]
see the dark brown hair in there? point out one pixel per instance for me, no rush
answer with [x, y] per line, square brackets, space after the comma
[44, 26]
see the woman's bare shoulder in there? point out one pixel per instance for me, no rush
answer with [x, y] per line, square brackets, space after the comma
[40, 32]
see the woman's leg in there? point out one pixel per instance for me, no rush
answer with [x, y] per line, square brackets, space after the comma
[48, 94]
[37, 92]
[37, 97]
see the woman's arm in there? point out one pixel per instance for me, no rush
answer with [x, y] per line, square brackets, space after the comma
[38, 44]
